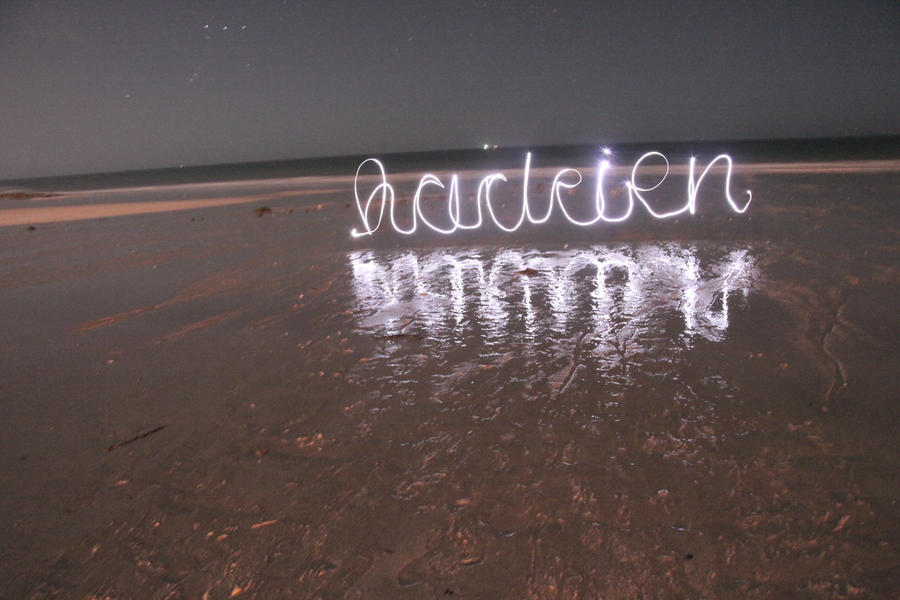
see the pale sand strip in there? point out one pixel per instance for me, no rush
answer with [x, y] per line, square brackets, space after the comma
[76, 212]
[54, 214]
[79, 212]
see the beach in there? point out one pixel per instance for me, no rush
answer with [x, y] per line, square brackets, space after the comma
[212, 390]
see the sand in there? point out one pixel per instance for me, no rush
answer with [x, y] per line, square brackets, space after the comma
[201, 402]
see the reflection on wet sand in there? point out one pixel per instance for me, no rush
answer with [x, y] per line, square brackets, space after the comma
[500, 297]
[591, 406]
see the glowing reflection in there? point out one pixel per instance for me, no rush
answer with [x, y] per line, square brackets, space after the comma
[493, 296]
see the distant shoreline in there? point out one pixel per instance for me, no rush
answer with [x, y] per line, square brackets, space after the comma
[813, 150]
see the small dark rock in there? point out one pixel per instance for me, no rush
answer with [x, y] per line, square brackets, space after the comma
[262, 210]
[30, 228]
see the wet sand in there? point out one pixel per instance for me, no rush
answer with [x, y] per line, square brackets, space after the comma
[205, 402]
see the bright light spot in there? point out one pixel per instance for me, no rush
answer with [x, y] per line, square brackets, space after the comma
[485, 147]
[607, 152]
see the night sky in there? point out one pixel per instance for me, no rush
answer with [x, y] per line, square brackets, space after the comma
[103, 86]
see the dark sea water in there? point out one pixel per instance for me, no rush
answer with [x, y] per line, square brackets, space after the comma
[743, 151]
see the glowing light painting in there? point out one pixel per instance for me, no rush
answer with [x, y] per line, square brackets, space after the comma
[383, 197]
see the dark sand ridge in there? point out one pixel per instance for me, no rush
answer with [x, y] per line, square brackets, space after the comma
[210, 403]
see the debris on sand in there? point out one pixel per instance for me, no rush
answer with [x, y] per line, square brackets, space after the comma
[262, 210]
[25, 196]
[399, 336]
[136, 438]
[841, 524]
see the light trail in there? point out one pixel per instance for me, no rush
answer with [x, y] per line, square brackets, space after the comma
[565, 179]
